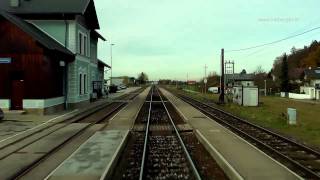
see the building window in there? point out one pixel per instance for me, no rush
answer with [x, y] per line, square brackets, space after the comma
[83, 44]
[80, 84]
[85, 83]
[80, 42]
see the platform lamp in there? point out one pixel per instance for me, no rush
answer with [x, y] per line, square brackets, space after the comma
[111, 62]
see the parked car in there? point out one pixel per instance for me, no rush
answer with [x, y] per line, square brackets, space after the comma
[214, 90]
[123, 86]
[1, 114]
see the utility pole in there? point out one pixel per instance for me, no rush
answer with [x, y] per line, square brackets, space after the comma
[221, 98]
[176, 83]
[187, 80]
[111, 62]
[265, 87]
[205, 79]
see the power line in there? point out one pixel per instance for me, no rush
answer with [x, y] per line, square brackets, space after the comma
[274, 42]
[265, 48]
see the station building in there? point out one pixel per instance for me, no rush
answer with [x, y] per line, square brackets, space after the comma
[48, 55]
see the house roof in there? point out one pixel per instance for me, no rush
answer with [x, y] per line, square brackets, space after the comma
[98, 35]
[47, 6]
[239, 77]
[83, 7]
[313, 73]
[103, 63]
[36, 33]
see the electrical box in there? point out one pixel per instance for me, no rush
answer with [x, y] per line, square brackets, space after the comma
[246, 96]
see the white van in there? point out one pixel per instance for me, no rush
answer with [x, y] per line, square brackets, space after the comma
[214, 90]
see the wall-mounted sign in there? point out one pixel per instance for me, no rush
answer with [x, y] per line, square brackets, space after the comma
[5, 60]
[62, 63]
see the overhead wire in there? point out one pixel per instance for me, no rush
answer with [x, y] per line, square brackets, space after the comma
[273, 42]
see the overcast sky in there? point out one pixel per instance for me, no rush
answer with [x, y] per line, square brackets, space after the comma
[173, 38]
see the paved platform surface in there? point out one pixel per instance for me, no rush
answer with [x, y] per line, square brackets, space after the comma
[52, 162]
[24, 157]
[248, 161]
[122, 92]
[14, 124]
[92, 158]
[125, 119]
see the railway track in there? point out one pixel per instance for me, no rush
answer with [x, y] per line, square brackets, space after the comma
[297, 157]
[160, 153]
[165, 156]
[35, 143]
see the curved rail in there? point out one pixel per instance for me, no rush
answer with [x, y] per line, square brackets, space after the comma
[244, 128]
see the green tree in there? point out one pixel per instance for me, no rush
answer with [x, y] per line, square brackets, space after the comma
[243, 71]
[284, 78]
[143, 78]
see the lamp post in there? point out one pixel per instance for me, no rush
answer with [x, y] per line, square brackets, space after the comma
[265, 87]
[111, 62]
[205, 79]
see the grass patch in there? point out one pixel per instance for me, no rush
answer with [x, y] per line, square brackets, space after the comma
[271, 114]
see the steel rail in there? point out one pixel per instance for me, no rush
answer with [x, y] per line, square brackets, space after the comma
[145, 146]
[28, 168]
[307, 170]
[194, 169]
[77, 117]
[114, 109]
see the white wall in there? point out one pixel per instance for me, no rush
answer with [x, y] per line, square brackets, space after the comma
[4, 103]
[42, 103]
[311, 91]
[299, 96]
[314, 82]
[250, 96]
[72, 43]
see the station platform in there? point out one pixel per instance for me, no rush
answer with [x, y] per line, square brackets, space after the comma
[15, 126]
[92, 158]
[95, 159]
[124, 120]
[246, 161]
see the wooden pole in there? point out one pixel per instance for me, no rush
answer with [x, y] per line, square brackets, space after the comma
[221, 98]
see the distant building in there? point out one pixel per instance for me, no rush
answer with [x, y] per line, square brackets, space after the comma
[191, 82]
[123, 80]
[241, 79]
[312, 83]
[48, 54]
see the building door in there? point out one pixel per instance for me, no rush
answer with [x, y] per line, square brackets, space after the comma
[17, 94]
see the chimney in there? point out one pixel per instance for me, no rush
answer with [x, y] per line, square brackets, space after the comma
[14, 3]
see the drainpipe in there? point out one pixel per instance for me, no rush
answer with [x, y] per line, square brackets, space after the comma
[66, 65]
